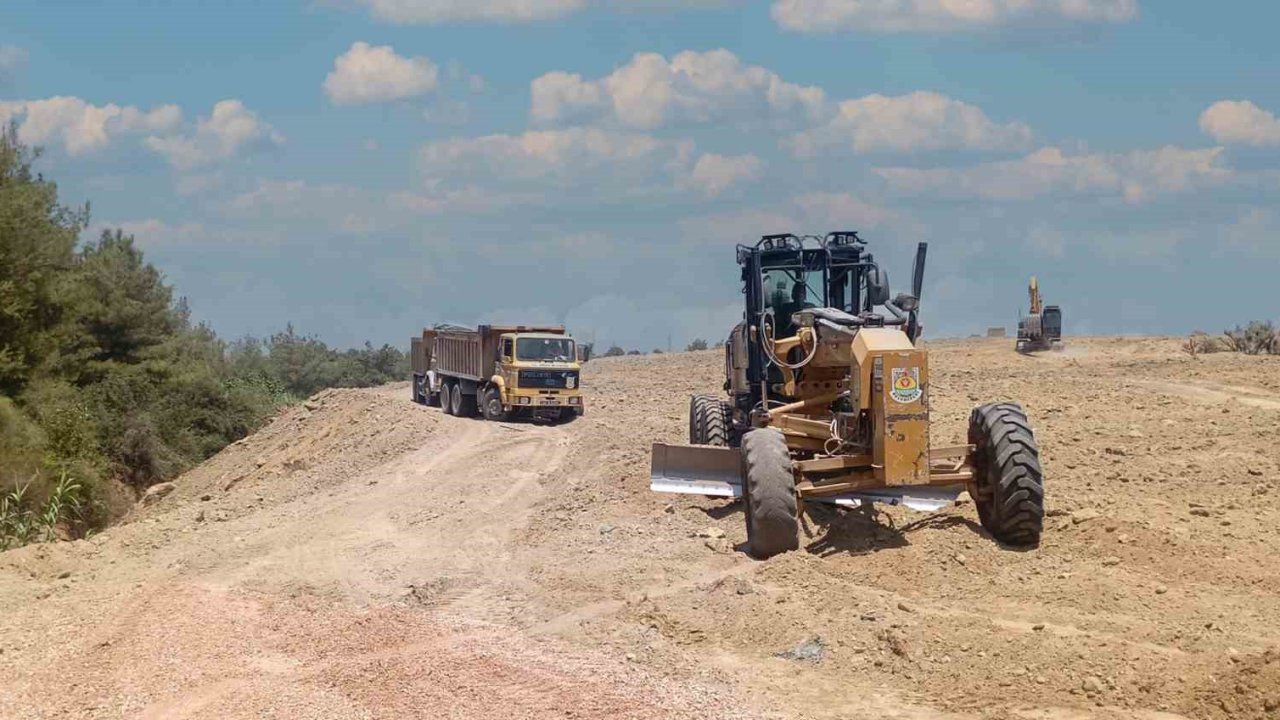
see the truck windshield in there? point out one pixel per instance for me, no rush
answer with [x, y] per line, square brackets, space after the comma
[545, 349]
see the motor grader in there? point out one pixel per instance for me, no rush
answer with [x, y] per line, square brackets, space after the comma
[829, 399]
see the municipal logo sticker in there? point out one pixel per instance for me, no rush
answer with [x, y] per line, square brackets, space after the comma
[906, 385]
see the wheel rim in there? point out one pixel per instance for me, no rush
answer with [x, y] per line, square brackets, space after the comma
[493, 405]
[455, 400]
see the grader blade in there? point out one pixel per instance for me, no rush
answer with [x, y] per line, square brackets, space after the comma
[696, 470]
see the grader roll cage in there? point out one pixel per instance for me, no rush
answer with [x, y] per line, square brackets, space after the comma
[828, 401]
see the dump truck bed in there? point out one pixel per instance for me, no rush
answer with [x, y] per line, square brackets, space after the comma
[469, 354]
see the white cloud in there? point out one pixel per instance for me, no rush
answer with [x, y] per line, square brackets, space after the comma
[717, 87]
[1253, 233]
[1134, 176]
[842, 211]
[11, 61]
[197, 184]
[230, 129]
[571, 156]
[435, 199]
[807, 213]
[940, 16]
[367, 74]
[404, 12]
[713, 174]
[537, 166]
[80, 126]
[345, 208]
[650, 91]
[154, 235]
[1240, 121]
[151, 233]
[919, 121]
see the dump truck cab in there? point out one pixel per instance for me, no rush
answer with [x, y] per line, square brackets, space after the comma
[537, 371]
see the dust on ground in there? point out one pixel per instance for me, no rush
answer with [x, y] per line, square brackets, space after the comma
[365, 557]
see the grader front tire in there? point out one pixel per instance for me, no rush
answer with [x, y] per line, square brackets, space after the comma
[769, 493]
[1008, 480]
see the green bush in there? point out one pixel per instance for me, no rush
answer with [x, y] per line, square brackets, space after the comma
[21, 447]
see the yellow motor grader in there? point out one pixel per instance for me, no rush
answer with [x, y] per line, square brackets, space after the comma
[828, 401]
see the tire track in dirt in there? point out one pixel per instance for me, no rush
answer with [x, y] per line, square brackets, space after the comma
[1215, 394]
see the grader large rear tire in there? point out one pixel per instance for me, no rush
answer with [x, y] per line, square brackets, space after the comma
[769, 492]
[1008, 481]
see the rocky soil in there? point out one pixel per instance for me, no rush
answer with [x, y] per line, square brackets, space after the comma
[365, 557]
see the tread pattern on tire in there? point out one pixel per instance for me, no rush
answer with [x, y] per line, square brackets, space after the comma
[773, 525]
[709, 421]
[695, 417]
[1010, 483]
[446, 397]
[491, 394]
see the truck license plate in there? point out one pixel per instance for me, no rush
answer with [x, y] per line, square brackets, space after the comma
[548, 401]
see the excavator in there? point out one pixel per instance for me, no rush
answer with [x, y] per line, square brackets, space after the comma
[1042, 328]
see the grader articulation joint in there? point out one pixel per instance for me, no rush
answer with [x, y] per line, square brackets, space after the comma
[828, 401]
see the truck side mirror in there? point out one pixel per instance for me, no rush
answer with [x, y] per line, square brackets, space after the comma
[877, 286]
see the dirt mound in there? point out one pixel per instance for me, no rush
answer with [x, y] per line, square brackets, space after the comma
[323, 441]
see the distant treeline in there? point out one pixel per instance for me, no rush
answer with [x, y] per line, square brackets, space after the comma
[106, 384]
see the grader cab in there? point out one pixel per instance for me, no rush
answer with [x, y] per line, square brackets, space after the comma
[828, 401]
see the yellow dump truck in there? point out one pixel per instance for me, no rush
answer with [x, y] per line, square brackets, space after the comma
[498, 371]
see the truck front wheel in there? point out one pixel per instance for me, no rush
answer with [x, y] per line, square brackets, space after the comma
[491, 405]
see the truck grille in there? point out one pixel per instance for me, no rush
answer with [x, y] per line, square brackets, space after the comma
[547, 378]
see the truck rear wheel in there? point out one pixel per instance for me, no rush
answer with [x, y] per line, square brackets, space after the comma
[491, 405]
[769, 492]
[1008, 482]
[447, 388]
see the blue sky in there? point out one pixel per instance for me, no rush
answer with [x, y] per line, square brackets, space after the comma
[363, 167]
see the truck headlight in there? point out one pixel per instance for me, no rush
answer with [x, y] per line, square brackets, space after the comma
[575, 400]
[526, 400]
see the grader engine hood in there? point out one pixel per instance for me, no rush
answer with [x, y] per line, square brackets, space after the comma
[893, 384]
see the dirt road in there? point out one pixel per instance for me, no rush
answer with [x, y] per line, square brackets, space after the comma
[365, 557]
